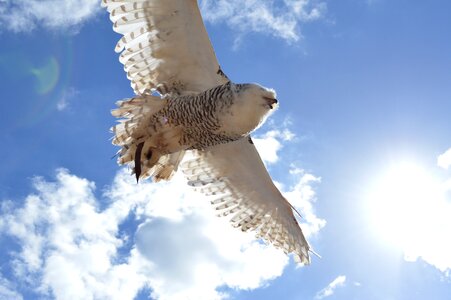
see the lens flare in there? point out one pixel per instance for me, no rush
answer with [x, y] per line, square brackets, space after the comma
[46, 76]
[48, 71]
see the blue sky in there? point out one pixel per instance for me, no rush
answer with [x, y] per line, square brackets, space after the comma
[360, 144]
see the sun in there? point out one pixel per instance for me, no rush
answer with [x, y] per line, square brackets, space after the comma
[403, 203]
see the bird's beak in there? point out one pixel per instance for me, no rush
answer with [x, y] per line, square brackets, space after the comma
[271, 101]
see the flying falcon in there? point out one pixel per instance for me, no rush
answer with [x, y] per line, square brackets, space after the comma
[185, 103]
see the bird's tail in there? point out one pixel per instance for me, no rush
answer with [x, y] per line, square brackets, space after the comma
[150, 145]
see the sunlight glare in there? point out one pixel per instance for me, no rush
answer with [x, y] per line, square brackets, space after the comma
[403, 205]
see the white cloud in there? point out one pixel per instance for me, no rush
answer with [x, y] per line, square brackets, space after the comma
[70, 248]
[444, 160]
[7, 291]
[65, 99]
[331, 287]
[25, 15]
[429, 240]
[302, 196]
[410, 209]
[278, 18]
[268, 144]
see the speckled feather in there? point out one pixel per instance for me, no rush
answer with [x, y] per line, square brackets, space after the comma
[152, 129]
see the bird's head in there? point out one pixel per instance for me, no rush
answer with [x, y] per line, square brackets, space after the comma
[256, 97]
[251, 105]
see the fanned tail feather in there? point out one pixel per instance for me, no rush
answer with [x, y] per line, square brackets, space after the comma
[149, 145]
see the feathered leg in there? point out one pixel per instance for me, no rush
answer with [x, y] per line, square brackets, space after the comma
[150, 144]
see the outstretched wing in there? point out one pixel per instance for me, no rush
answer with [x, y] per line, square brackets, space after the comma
[164, 46]
[235, 174]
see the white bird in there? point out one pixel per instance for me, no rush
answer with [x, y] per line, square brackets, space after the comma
[185, 103]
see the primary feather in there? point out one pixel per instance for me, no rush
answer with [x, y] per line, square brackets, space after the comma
[235, 176]
[165, 50]
[164, 46]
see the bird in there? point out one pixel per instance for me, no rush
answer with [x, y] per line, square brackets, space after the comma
[187, 114]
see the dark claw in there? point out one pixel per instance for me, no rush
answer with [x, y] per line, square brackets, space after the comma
[149, 155]
[138, 161]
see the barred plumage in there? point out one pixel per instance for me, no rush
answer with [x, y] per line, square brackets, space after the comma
[154, 128]
[165, 49]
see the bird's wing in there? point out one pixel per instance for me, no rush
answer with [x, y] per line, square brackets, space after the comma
[234, 173]
[165, 46]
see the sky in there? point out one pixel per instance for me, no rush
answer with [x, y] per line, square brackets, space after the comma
[360, 145]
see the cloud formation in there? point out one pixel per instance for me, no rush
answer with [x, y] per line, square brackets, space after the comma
[270, 143]
[278, 18]
[331, 287]
[7, 291]
[65, 98]
[430, 238]
[410, 207]
[26, 15]
[444, 160]
[73, 244]
[433, 244]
